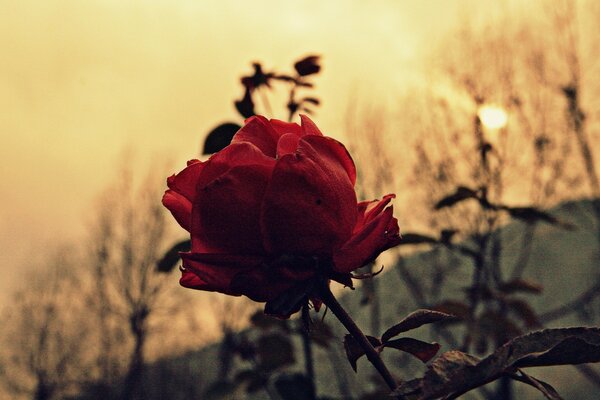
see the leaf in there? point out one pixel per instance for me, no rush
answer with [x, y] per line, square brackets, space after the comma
[521, 285]
[312, 100]
[547, 390]
[413, 321]
[263, 321]
[461, 193]
[245, 106]
[354, 351]
[219, 138]
[422, 350]
[416, 238]
[532, 215]
[308, 65]
[524, 311]
[459, 309]
[274, 351]
[171, 257]
[294, 387]
[455, 373]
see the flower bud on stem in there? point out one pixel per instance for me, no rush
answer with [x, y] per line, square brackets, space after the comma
[330, 301]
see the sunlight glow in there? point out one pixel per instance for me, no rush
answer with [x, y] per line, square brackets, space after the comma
[492, 117]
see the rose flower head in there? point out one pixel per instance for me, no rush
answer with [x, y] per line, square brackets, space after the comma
[275, 211]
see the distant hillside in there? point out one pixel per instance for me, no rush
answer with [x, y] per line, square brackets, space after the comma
[564, 262]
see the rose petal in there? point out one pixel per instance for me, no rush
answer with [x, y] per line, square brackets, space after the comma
[180, 207]
[226, 213]
[288, 143]
[191, 280]
[286, 127]
[335, 151]
[310, 204]
[235, 155]
[182, 192]
[367, 210]
[258, 131]
[216, 271]
[378, 235]
[309, 127]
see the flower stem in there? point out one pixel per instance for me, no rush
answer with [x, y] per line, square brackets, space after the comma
[336, 308]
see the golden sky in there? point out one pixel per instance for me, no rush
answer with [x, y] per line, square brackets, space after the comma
[80, 81]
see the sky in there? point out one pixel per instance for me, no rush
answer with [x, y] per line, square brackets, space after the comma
[84, 82]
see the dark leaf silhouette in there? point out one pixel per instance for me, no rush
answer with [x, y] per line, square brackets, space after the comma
[220, 137]
[422, 350]
[524, 311]
[263, 321]
[455, 373]
[354, 351]
[294, 387]
[308, 65]
[274, 351]
[446, 235]
[520, 285]
[461, 193]
[171, 257]
[415, 320]
[245, 106]
[311, 100]
[532, 215]
[416, 238]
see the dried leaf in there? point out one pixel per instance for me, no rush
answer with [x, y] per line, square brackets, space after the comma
[413, 321]
[422, 350]
[521, 285]
[454, 373]
[459, 309]
[354, 351]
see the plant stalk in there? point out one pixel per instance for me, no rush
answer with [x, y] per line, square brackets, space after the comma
[331, 302]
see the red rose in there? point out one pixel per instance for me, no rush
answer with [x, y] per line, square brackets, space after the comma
[273, 209]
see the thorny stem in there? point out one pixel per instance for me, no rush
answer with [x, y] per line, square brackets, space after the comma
[330, 301]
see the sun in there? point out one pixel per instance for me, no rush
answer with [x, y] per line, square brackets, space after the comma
[492, 117]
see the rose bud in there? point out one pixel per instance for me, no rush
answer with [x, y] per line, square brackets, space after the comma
[274, 211]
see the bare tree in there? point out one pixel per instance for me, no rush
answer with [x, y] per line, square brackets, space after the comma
[45, 343]
[130, 297]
